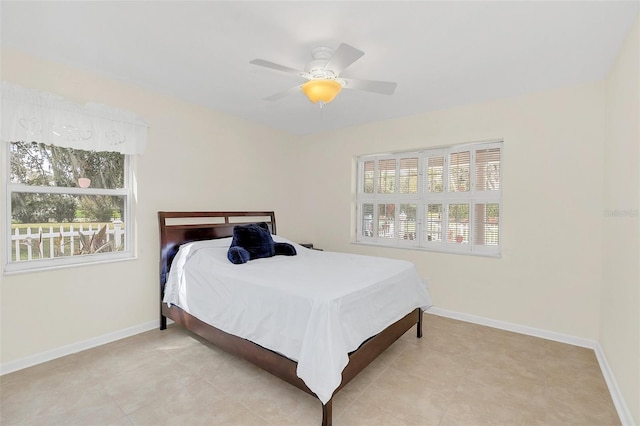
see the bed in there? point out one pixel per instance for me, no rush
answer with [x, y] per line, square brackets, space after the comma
[317, 310]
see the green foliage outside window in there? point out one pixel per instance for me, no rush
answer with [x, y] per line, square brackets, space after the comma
[41, 165]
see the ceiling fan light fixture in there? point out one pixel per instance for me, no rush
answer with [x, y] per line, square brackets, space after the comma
[321, 90]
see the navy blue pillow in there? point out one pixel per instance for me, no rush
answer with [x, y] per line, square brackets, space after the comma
[255, 239]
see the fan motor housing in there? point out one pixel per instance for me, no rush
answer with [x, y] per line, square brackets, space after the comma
[316, 68]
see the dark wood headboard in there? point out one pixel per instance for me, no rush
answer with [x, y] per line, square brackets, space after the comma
[178, 228]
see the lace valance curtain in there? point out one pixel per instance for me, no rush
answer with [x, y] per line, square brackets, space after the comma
[31, 115]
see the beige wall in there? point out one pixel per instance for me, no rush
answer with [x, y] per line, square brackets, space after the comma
[196, 159]
[550, 271]
[620, 324]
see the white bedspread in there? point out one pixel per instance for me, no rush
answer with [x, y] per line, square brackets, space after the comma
[313, 308]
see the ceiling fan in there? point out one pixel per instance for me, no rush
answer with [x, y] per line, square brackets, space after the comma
[323, 75]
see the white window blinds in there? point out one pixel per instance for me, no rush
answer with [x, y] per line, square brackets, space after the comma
[446, 199]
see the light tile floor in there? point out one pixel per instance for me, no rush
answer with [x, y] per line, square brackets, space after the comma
[457, 374]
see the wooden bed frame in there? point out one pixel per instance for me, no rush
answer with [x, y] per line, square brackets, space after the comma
[178, 228]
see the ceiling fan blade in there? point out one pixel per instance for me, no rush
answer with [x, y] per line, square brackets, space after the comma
[344, 56]
[263, 63]
[382, 87]
[284, 93]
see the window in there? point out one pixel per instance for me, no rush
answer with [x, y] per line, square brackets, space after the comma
[68, 174]
[67, 205]
[446, 199]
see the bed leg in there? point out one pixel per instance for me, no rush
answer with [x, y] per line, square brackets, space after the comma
[326, 414]
[163, 322]
[419, 325]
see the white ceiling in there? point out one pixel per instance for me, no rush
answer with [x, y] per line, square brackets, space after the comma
[441, 54]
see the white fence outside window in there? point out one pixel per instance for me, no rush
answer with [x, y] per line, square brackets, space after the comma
[44, 243]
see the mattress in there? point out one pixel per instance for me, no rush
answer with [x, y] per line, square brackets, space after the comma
[313, 308]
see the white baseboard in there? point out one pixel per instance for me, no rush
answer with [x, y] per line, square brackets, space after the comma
[516, 328]
[32, 360]
[614, 390]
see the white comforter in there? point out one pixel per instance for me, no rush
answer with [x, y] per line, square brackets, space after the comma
[313, 308]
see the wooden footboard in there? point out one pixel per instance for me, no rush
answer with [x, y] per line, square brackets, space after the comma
[284, 368]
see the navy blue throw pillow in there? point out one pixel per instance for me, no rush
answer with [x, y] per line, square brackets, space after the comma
[255, 239]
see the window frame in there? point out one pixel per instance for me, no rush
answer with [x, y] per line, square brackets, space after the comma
[423, 198]
[128, 192]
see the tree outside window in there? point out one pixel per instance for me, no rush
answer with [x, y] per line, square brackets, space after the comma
[65, 202]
